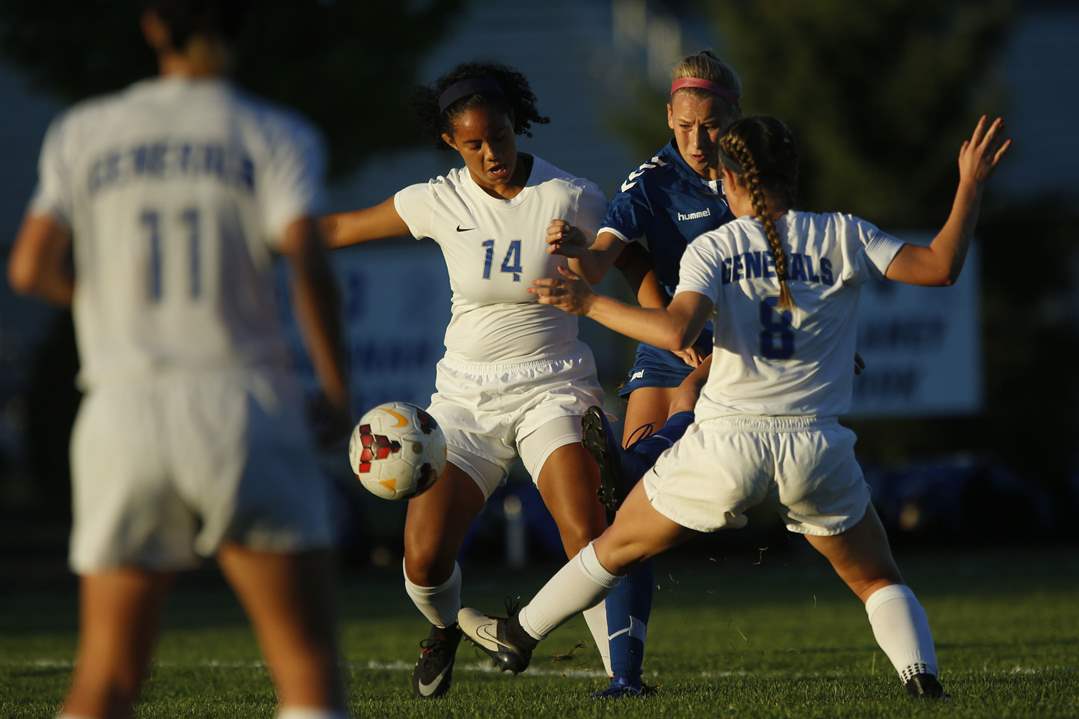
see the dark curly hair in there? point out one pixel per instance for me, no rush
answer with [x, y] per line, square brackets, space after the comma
[517, 100]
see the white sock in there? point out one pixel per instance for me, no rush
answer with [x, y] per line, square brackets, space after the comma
[310, 713]
[596, 619]
[902, 630]
[580, 584]
[439, 604]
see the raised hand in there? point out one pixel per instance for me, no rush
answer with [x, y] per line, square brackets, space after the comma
[565, 239]
[570, 293]
[981, 154]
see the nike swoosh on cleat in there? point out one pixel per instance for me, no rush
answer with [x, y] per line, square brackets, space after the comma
[465, 229]
[429, 688]
[484, 632]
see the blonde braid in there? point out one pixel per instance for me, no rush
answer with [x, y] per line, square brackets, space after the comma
[737, 149]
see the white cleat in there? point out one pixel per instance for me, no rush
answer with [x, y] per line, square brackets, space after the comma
[489, 634]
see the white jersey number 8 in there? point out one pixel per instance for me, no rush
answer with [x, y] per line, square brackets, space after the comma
[777, 337]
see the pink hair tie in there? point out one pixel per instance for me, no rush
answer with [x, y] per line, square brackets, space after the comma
[707, 85]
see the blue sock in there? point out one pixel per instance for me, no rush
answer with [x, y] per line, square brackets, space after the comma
[628, 607]
[639, 457]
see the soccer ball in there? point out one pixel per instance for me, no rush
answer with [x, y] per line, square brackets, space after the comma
[397, 451]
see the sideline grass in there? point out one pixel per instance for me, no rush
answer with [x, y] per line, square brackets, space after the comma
[733, 636]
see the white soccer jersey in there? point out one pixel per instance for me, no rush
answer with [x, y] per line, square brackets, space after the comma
[494, 249]
[771, 362]
[176, 191]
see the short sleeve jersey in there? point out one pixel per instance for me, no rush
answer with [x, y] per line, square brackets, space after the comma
[176, 191]
[665, 204]
[494, 249]
[768, 361]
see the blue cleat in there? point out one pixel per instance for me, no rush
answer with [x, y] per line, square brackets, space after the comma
[623, 687]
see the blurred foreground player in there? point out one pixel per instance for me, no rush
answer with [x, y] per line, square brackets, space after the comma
[782, 287]
[174, 194]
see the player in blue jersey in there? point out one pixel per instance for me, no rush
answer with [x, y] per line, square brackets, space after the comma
[660, 208]
[782, 287]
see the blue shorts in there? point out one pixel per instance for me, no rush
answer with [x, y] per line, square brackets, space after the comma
[653, 367]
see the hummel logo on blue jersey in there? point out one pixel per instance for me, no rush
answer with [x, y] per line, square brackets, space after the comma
[684, 216]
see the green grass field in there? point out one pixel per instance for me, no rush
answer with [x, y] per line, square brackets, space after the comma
[737, 635]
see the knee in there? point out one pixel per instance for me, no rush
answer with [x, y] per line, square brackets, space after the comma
[620, 557]
[576, 534]
[426, 564]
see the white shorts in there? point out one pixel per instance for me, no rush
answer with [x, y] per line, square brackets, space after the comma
[493, 413]
[724, 466]
[172, 467]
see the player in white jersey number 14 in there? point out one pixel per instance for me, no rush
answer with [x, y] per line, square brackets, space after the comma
[515, 380]
[780, 375]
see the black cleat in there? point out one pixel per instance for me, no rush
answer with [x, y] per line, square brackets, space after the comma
[598, 438]
[924, 686]
[434, 671]
[489, 634]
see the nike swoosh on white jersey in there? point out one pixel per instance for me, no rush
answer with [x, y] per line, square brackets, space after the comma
[429, 688]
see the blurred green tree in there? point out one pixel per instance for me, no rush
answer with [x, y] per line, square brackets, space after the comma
[879, 94]
[349, 66]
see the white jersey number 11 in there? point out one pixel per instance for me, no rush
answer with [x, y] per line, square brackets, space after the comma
[150, 219]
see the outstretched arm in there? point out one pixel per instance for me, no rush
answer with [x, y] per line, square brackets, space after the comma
[941, 262]
[39, 260]
[372, 223]
[674, 327]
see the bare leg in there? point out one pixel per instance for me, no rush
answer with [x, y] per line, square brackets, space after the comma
[436, 524]
[289, 599]
[568, 483]
[862, 559]
[638, 533]
[119, 612]
[861, 556]
[646, 411]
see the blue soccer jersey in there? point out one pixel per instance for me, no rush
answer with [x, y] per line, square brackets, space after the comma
[664, 205]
